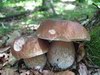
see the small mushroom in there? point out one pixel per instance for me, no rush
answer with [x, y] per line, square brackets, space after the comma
[62, 33]
[31, 49]
[28, 46]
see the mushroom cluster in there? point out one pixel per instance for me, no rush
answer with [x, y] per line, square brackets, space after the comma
[32, 50]
[52, 43]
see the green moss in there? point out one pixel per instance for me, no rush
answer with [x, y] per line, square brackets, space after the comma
[94, 46]
[4, 31]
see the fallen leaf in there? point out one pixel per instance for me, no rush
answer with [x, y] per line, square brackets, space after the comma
[25, 73]
[83, 69]
[3, 40]
[97, 72]
[12, 36]
[4, 49]
[81, 52]
[65, 73]
[47, 72]
[8, 71]
[36, 73]
[7, 58]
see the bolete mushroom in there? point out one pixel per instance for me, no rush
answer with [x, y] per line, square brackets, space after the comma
[29, 47]
[62, 33]
[62, 30]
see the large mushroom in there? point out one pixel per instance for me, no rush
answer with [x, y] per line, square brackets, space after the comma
[62, 30]
[62, 33]
[31, 49]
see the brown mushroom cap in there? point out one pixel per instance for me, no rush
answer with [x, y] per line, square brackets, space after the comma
[27, 47]
[62, 30]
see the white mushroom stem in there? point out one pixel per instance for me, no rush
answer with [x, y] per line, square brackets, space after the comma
[61, 54]
[36, 63]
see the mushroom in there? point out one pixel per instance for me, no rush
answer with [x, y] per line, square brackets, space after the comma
[31, 49]
[62, 34]
[62, 30]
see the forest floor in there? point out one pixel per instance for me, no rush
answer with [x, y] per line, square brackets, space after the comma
[15, 19]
